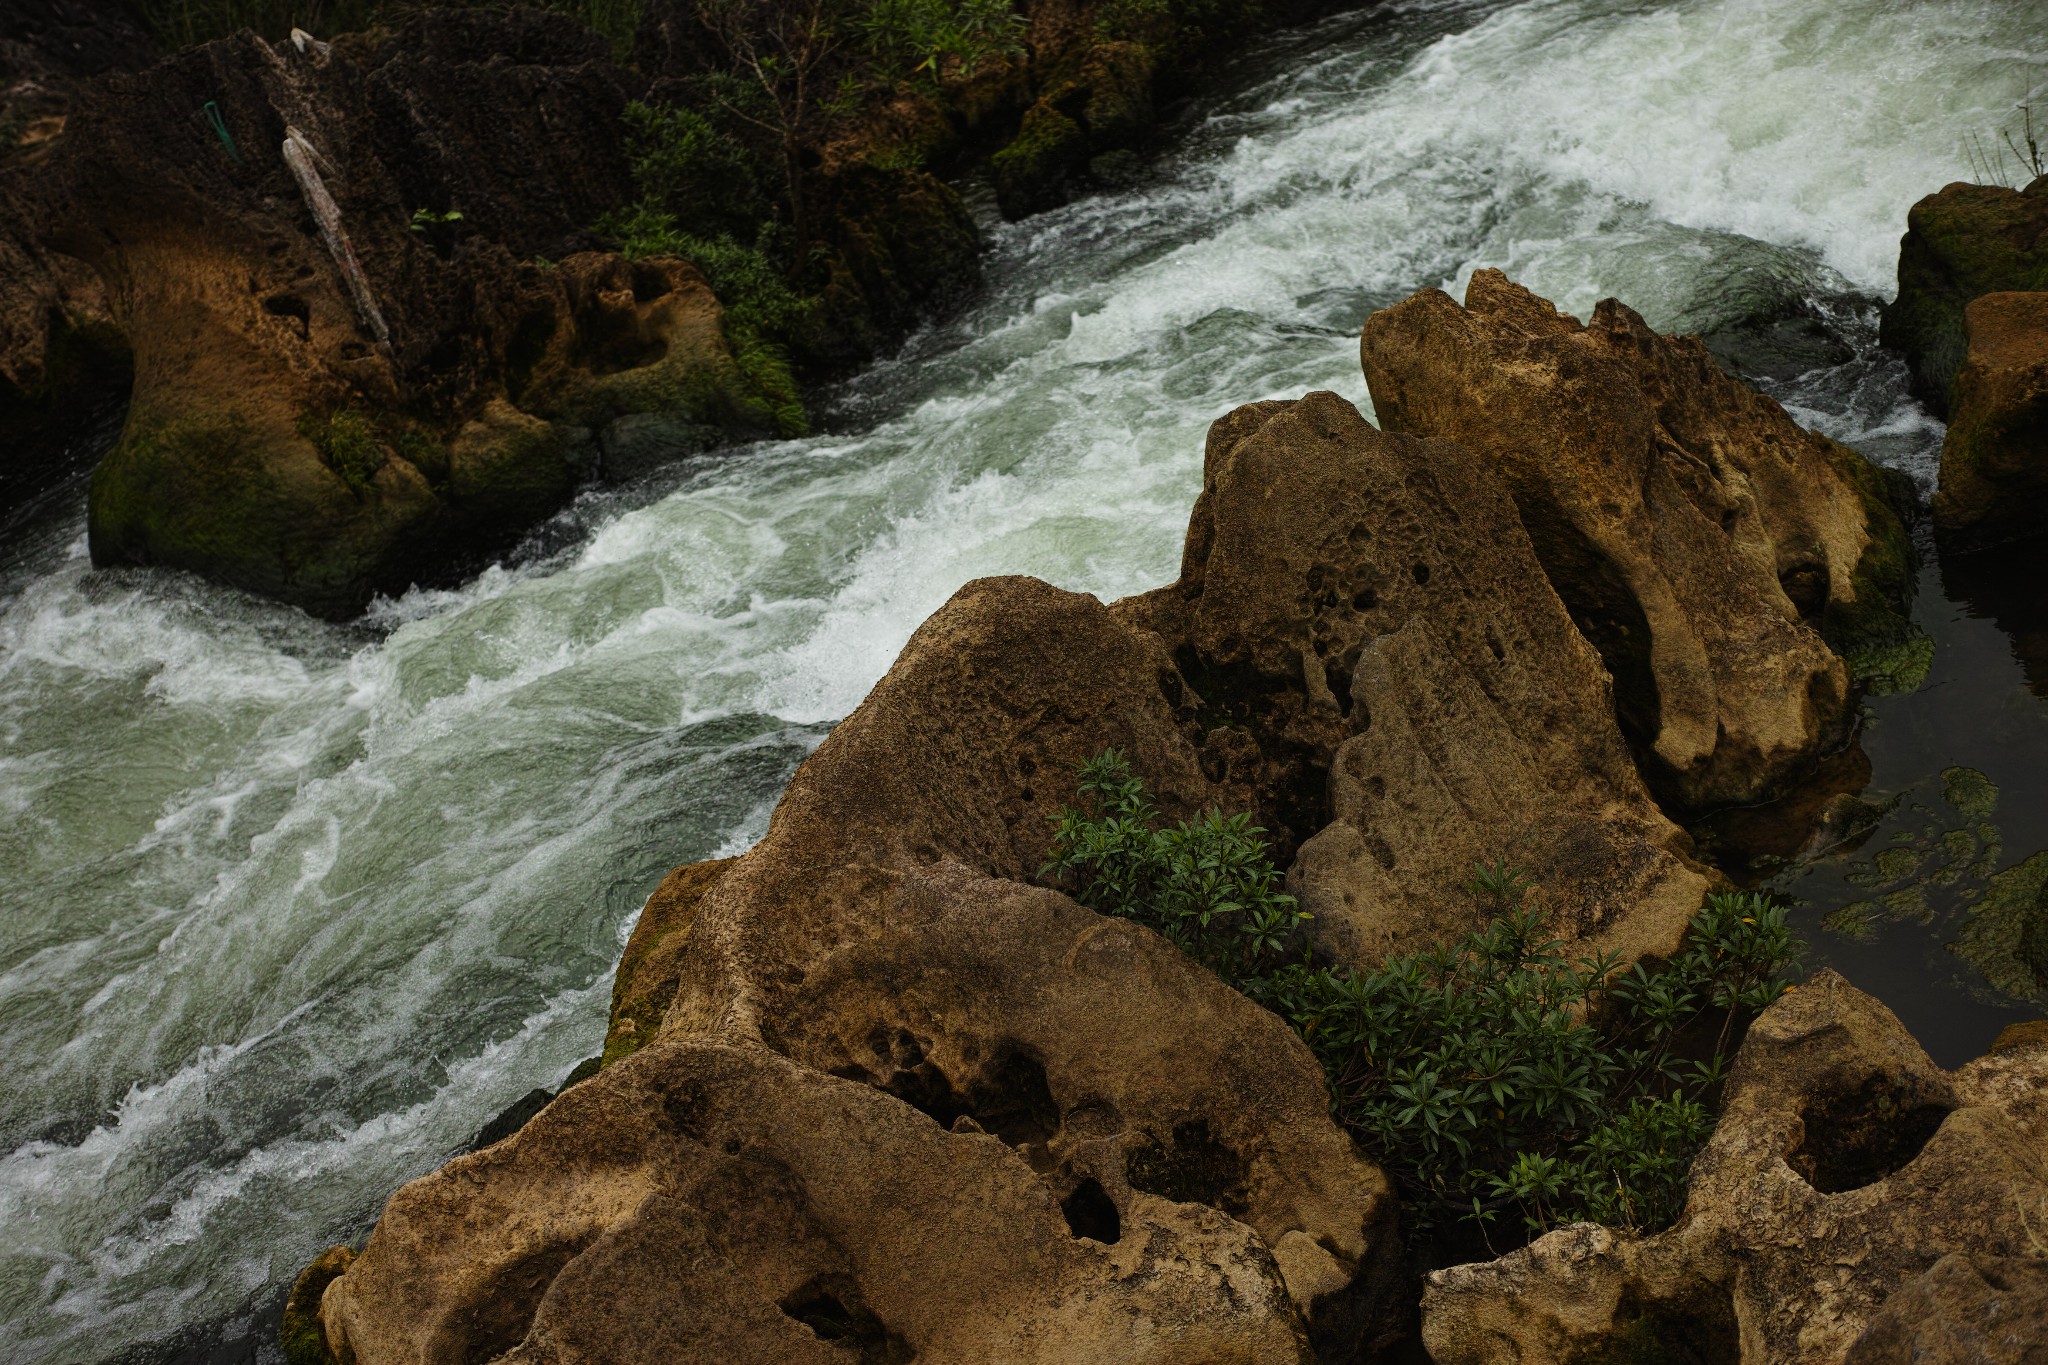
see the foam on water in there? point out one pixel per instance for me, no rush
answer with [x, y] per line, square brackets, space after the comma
[287, 910]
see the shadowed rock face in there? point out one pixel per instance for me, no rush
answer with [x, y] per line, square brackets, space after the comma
[379, 365]
[1845, 1165]
[298, 436]
[1966, 1310]
[1701, 540]
[1994, 461]
[1962, 243]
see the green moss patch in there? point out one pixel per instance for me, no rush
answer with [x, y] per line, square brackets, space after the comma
[300, 1334]
[349, 444]
[1032, 173]
[1969, 791]
[2006, 936]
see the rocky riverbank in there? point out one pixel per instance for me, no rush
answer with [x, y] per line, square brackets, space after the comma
[901, 1097]
[382, 301]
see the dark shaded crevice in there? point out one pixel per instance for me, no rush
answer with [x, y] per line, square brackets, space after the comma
[1194, 1168]
[1857, 1139]
[1091, 1213]
[831, 1306]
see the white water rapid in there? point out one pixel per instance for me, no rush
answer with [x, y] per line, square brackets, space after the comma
[287, 910]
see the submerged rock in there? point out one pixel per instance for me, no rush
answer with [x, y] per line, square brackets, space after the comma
[1709, 547]
[2005, 934]
[1960, 244]
[1845, 1166]
[1994, 460]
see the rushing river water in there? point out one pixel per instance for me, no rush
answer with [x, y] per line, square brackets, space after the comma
[288, 909]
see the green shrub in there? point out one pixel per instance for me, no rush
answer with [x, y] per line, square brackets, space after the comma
[1207, 884]
[1496, 1074]
[683, 164]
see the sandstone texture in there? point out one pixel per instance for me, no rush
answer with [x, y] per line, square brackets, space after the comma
[1994, 461]
[869, 1091]
[1966, 1310]
[1855, 1203]
[903, 1100]
[1960, 244]
[1364, 609]
[1710, 548]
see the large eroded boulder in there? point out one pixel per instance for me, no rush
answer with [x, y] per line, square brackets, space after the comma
[1847, 1170]
[1994, 461]
[1960, 244]
[1708, 546]
[972, 1116]
[1363, 612]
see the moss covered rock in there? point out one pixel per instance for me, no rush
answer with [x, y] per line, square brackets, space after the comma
[648, 972]
[1964, 242]
[300, 1335]
[1035, 170]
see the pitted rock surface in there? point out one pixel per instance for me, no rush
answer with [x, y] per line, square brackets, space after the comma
[1846, 1164]
[1365, 609]
[1700, 538]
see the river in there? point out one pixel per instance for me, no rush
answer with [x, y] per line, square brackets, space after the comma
[288, 909]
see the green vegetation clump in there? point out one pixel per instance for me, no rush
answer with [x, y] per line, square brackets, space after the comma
[348, 444]
[1492, 1075]
[1207, 885]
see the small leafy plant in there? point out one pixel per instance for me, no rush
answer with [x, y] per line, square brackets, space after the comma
[1497, 1074]
[1208, 884]
[426, 219]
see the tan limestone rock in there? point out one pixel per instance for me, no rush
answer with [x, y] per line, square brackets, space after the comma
[1701, 539]
[1365, 606]
[1845, 1165]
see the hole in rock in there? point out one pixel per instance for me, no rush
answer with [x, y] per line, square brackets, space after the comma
[1195, 1168]
[1859, 1138]
[1365, 599]
[1807, 587]
[1695, 1333]
[1421, 574]
[1091, 1213]
[831, 1306]
[528, 344]
[1008, 1096]
[292, 308]
[649, 282]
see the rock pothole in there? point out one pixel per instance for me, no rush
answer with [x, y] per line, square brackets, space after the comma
[1194, 1168]
[1859, 1138]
